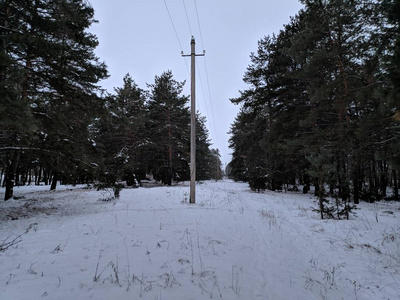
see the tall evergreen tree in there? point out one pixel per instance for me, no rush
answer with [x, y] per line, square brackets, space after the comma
[391, 9]
[208, 163]
[168, 127]
[50, 76]
[322, 103]
[120, 133]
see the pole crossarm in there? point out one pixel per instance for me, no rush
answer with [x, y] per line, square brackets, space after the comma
[193, 53]
[202, 54]
[193, 120]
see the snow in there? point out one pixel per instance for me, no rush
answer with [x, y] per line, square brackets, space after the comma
[231, 244]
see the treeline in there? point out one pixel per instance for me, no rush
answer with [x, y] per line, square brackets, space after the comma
[57, 124]
[148, 132]
[322, 108]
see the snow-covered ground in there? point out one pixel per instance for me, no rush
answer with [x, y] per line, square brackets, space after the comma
[231, 244]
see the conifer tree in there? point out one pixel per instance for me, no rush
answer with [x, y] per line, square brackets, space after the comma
[49, 81]
[323, 96]
[208, 163]
[120, 134]
[391, 9]
[168, 129]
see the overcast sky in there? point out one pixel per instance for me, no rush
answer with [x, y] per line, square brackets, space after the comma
[137, 37]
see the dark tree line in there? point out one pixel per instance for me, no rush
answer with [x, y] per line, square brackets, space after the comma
[322, 107]
[56, 123]
[148, 132]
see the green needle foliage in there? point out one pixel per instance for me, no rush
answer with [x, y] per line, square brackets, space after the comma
[322, 105]
[48, 84]
[58, 125]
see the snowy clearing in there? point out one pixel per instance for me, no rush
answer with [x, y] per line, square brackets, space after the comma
[232, 244]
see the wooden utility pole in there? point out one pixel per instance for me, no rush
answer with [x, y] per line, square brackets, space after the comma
[193, 120]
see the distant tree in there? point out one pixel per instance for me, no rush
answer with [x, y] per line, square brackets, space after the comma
[147, 132]
[168, 129]
[120, 134]
[242, 144]
[215, 165]
[273, 105]
[208, 163]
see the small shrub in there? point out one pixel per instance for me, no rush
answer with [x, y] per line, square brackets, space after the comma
[258, 183]
[335, 208]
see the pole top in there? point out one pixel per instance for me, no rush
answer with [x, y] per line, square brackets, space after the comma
[192, 40]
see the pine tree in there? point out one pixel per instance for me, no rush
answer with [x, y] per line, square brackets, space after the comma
[321, 107]
[168, 129]
[120, 134]
[208, 163]
[49, 80]
[341, 66]
[275, 102]
[249, 162]
[391, 9]
[216, 172]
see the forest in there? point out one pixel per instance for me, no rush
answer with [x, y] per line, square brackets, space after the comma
[58, 125]
[315, 140]
[322, 105]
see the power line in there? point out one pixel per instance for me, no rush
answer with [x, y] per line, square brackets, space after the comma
[212, 109]
[187, 18]
[202, 90]
[211, 116]
[198, 23]
[201, 81]
[176, 34]
[206, 69]
[187, 68]
[173, 25]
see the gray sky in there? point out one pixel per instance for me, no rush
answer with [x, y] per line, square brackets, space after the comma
[137, 37]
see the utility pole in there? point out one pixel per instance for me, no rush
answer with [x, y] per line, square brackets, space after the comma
[193, 120]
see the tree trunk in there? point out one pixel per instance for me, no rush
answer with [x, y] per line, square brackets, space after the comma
[30, 176]
[17, 180]
[54, 181]
[10, 174]
[169, 181]
[384, 177]
[3, 179]
[3, 67]
[316, 185]
[356, 184]
[9, 187]
[169, 172]
[38, 175]
[46, 177]
[344, 185]
[395, 186]
[372, 180]
[331, 189]
[321, 195]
